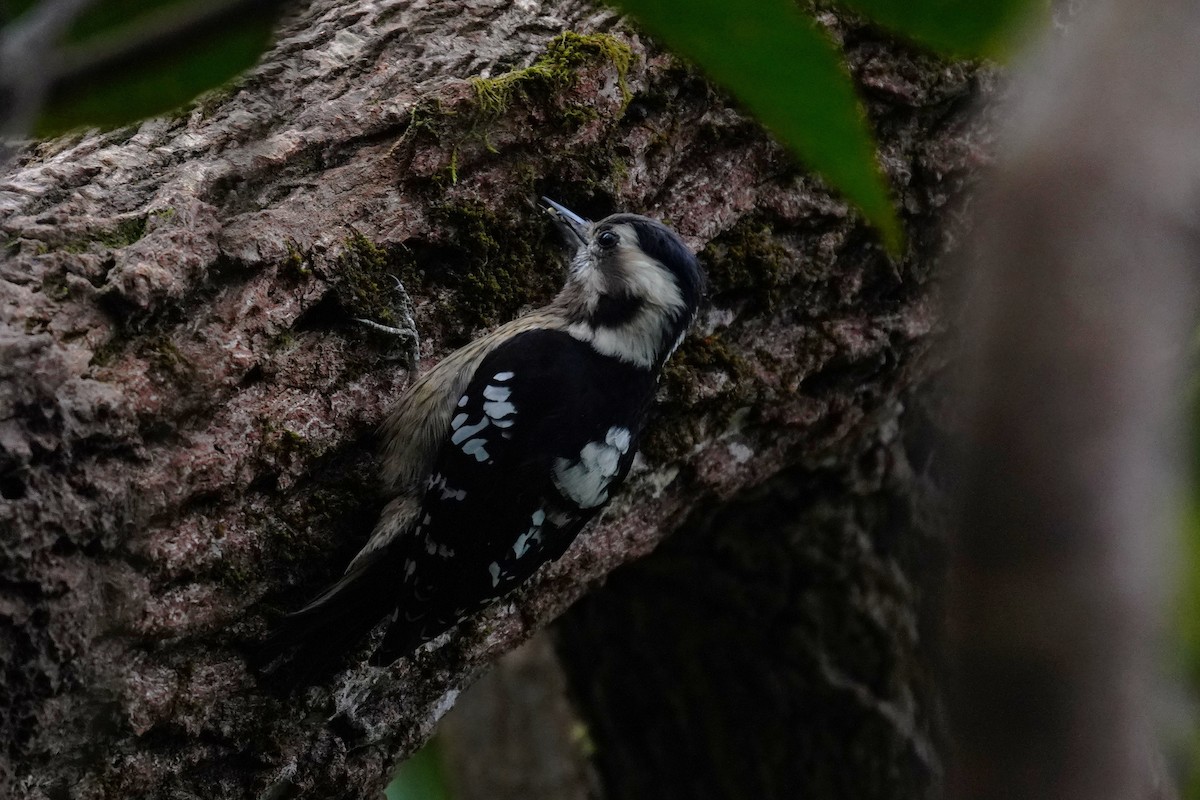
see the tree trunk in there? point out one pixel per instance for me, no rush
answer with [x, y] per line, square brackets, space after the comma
[187, 407]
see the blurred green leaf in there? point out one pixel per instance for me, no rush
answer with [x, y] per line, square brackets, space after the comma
[107, 15]
[132, 59]
[421, 777]
[790, 76]
[11, 9]
[958, 27]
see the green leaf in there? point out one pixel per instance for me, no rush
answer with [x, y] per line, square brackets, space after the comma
[957, 27]
[13, 9]
[421, 777]
[131, 59]
[790, 76]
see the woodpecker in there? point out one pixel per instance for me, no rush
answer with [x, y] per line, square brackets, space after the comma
[498, 457]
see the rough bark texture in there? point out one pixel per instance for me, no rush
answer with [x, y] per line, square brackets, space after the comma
[186, 408]
[782, 646]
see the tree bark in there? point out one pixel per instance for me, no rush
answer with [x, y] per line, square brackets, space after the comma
[186, 406]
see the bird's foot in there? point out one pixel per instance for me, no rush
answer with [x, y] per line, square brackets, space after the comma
[406, 333]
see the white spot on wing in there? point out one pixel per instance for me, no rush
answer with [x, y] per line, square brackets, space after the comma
[502, 376]
[532, 536]
[467, 431]
[586, 481]
[462, 401]
[499, 410]
[497, 393]
[438, 481]
[477, 448]
[458, 421]
[494, 568]
[618, 438]
[520, 546]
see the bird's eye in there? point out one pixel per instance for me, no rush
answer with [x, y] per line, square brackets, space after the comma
[608, 240]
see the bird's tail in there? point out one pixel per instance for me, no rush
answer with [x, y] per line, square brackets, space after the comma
[311, 643]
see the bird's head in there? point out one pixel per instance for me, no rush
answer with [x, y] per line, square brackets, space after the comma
[633, 288]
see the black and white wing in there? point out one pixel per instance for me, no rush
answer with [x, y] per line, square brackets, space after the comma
[544, 431]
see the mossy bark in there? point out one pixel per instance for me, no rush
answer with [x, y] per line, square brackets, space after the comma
[187, 408]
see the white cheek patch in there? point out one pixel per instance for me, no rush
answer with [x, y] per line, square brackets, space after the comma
[635, 274]
[586, 481]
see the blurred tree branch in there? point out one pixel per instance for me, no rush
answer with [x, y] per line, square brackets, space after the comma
[1082, 296]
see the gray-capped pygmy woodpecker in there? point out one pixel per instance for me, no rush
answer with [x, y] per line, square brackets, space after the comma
[498, 457]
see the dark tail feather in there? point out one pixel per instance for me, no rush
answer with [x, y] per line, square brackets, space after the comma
[314, 641]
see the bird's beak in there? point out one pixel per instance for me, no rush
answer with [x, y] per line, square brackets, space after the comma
[573, 227]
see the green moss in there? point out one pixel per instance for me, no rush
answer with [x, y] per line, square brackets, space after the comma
[748, 261]
[282, 444]
[125, 233]
[571, 50]
[297, 263]
[540, 94]
[55, 286]
[122, 234]
[208, 102]
[426, 116]
[499, 270]
[284, 340]
[555, 72]
[678, 426]
[167, 362]
[364, 285]
[107, 352]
